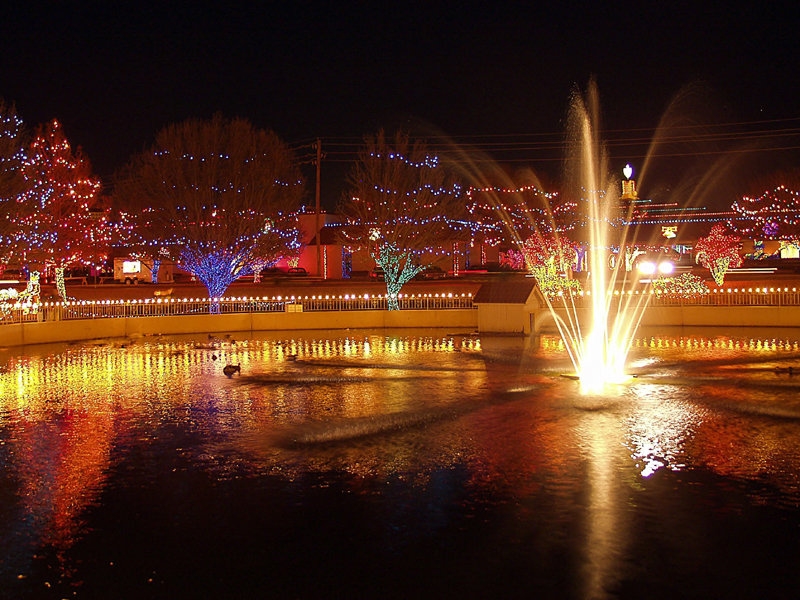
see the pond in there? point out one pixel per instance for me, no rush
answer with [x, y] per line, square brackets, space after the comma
[375, 464]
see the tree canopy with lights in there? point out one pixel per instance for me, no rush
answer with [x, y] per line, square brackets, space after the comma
[53, 225]
[773, 215]
[510, 215]
[401, 206]
[718, 252]
[217, 196]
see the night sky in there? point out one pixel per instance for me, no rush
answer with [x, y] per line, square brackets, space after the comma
[115, 76]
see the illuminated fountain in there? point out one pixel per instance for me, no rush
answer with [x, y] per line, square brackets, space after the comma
[596, 317]
[598, 336]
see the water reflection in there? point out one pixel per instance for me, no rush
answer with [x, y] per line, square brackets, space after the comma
[415, 439]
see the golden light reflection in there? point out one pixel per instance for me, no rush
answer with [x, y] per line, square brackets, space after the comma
[371, 407]
[606, 528]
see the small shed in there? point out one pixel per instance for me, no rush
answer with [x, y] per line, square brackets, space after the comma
[505, 306]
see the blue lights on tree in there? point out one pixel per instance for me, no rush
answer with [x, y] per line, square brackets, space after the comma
[404, 207]
[218, 196]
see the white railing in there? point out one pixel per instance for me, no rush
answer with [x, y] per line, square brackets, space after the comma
[730, 296]
[736, 297]
[160, 307]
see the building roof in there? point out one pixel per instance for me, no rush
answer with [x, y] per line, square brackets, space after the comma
[513, 291]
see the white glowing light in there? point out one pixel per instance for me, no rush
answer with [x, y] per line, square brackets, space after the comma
[627, 171]
[647, 267]
[130, 267]
[666, 268]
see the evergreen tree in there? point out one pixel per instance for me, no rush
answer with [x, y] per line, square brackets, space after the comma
[53, 226]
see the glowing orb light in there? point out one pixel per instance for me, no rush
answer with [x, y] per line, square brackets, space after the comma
[666, 268]
[627, 171]
[647, 268]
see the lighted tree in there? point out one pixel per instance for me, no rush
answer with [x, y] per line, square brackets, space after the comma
[775, 214]
[718, 252]
[54, 225]
[549, 258]
[400, 206]
[12, 159]
[218, 196]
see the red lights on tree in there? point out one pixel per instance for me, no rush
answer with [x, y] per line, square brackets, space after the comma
[718, 252]
[54, 225]
[549, 258]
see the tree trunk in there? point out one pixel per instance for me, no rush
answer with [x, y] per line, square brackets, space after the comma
[216, 289]
[33, 290]
[719, 269]
[156, 267]
[392, 291]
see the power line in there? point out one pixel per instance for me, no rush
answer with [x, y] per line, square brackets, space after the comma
[601, 132]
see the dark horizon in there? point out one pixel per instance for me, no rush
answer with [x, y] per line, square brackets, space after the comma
[490, 74]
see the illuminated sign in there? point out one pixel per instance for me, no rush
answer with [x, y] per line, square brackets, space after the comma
[130, 267]
[669, 231]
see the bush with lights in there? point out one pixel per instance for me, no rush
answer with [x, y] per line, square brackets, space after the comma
[684, 286]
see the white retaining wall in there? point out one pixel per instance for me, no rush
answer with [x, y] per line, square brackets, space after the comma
[20, 334]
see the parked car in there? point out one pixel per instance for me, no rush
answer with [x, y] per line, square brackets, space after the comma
[377, 273]
[297, 272]
[431, 273]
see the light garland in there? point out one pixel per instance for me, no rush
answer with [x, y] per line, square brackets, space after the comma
[776, 213]
[686, 285]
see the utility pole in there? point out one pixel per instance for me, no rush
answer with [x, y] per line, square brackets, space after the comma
[318, 145]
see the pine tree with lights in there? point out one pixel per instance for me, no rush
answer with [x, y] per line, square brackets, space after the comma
[718, 252]
[401, 206]
[53, 225]
[218, 196]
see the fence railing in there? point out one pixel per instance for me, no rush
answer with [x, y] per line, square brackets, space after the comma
[735, 297]
[160, 307]
[758, 296]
